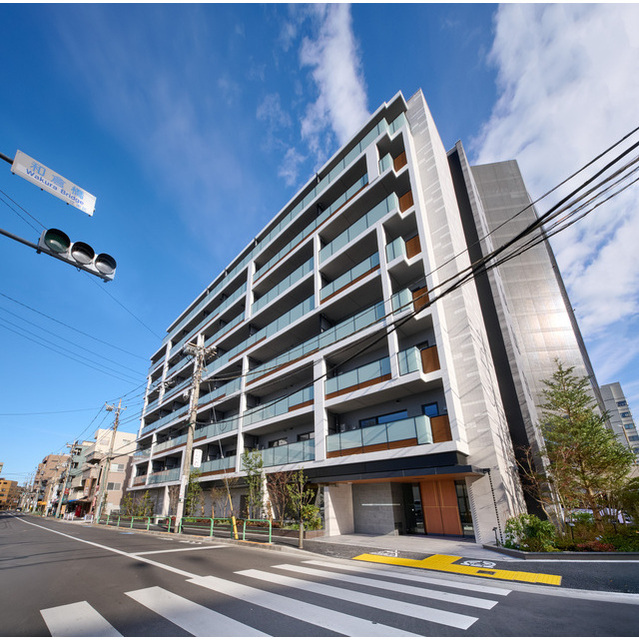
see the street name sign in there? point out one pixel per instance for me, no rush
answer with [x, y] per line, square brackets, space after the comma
[48, 180]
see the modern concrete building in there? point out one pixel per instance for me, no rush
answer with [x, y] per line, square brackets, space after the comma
[9, 494]
[620, 416]
[343, 348]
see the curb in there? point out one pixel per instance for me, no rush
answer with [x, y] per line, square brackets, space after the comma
[565, 555]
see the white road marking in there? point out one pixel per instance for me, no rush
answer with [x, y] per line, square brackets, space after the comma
[190, 616]
[411, 577]
[438, 616]
[76, 620]
[148, 553]
[322, 617]
[445, 596]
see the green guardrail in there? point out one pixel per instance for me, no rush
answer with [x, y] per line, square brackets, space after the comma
[133, 519]
[259, 530]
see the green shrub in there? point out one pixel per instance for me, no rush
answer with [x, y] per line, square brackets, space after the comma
[528, 533]
[595, 545]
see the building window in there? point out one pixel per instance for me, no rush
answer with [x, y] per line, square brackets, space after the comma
[633, 438]
[629, 425]
[388, 417]
[113, 486]
[625, 414]
[622, 403]
[309, 435]
[431, 409]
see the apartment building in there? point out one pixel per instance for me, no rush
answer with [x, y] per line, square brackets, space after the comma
[9, 494]
[46, 483]
[343, 349]
[620, 416]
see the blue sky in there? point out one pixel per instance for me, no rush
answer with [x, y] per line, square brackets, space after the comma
[194, 124]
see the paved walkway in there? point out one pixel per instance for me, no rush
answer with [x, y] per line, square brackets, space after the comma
[413, 545]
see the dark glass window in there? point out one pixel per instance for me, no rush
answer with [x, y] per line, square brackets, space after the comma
[465, 514]
[305, 436]
[431, 410]
[388, 417]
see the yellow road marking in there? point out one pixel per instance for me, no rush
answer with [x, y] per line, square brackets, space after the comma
[446, 563]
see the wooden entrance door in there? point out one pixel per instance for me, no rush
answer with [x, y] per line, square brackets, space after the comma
[441, 513]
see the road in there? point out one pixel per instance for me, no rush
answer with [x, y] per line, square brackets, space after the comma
[65, 579]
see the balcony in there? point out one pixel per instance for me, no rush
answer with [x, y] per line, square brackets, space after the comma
[174, 415]
[169, 444]
[414, 359]
[216, 428]
[169, 475]
[360, 378]
[142, 453]
[139, 480]
[358, 272]
[289, 453]
[297, 400]
[361, 226]
[408, 432]
[289, 281]
[355, 323]
[221, 392]
[400, 248]
[221, 465]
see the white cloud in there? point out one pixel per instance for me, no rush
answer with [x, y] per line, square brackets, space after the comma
[334, 57]
[568, 89]
[290, 167]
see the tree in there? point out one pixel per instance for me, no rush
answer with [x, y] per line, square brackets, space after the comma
[194, 497]
[277, 487]
[252, 464]
[301, 498]
[586, 462]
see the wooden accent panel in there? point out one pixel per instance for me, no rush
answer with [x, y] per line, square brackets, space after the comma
[218, 471]
[420, 298]
[440, 426]
[361, 385]
[430, 359]
[400, 161]
[282, 366]
[301, 405]
[413, 247]
[406, 201]
[439, 502]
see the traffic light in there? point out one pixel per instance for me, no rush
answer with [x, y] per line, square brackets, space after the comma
[56, 243]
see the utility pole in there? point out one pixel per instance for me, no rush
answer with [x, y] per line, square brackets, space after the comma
[200, 354]
[105, 473]
[66, 479]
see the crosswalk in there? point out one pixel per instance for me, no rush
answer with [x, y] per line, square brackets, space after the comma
[337, 598]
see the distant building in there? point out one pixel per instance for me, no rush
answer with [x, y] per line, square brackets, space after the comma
[9, 494]
[407, 416]
[620, 416]
[46, 484]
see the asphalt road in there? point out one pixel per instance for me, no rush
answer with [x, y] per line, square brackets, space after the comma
[59, 578]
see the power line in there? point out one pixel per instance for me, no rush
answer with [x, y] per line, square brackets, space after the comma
[88, 335]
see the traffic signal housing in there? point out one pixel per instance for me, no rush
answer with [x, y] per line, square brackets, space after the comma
[57, 244]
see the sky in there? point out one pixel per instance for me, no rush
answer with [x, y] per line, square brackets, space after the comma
[193, 125]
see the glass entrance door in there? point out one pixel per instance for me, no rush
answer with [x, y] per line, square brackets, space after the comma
[413, 512]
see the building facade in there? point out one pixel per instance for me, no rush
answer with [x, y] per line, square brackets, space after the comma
[9, 494]
[346, 346]
[620, 416]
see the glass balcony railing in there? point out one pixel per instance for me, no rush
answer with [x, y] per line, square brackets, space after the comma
[289, 453]
[350, 326]
[223, 390]
[221, 464]
[216, 428]
[224, 330]
[362, 225]
[294, 278]
[278, 407]
[402, 301]
[396, 249]
[142, 453]
[409, 361]
[169, 444]
[358, 378]
[165, 420]
[325, 215]
[385, 163]
[283, 321]
[169, 475]
[352, 274]
[406, 432]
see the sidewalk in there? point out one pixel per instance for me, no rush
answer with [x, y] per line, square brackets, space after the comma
[416, 547]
